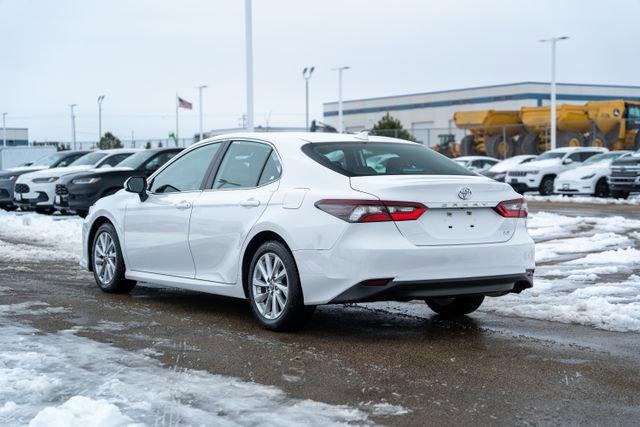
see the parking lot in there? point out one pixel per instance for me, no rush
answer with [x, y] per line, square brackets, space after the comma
[566, 351]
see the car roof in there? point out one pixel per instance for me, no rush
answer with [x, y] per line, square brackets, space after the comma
[475, 158]
[571, 149]
[302, 138]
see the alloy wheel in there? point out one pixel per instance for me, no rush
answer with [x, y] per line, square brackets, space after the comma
[104, 258]
[270, 286]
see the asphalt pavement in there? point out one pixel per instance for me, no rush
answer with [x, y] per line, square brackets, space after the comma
[482, 369]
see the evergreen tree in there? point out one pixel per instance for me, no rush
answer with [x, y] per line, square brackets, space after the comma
[147, 145]
[109, 140]
[389, 126]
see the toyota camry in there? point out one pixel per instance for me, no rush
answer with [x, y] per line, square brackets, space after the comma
[291, 221]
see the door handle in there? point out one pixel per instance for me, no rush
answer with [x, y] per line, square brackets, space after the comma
[182, 205]
[250, 203]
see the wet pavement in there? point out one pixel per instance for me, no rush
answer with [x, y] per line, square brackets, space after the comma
[483, 369]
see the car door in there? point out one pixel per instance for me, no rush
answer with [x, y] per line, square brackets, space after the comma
[157, 229]
[238, 193]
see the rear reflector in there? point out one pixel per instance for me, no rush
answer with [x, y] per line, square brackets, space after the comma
[516, 208]
[352, 210]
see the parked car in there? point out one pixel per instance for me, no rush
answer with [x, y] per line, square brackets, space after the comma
[36, 190]
[476, 163]
[80, 190]
[8, 177]
[625, 176]
[270, 217]
[590, 177]
[540, 174]
[499, 171]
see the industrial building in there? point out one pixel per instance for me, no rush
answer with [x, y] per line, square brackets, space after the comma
[427, 115]
[14, 137]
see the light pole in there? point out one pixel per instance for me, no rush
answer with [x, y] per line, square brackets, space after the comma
[73, 126]
[4, 129]
[200, 102]
[100, 99]
[306, 75]
[552, 130]
[249, 62]
[340, 70]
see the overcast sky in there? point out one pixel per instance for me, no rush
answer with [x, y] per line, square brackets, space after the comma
[139, 53]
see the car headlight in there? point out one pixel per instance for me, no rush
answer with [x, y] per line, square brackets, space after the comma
[588, 176]
[500, 176]
[45, 180]
[533, 172]
[9, 178]
[85, 181]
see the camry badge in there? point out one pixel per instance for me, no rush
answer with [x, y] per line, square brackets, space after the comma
[464, 193]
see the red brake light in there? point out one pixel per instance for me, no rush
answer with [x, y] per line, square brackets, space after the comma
[516, 208]
[371, 210]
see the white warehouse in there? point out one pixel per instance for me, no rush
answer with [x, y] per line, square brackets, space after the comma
[427, 115]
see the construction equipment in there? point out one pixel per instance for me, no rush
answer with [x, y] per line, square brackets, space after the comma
[572, 123]
[491, 132]
[617, 124]
[447, 145]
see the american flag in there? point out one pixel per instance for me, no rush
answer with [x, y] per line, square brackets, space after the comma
[184, 104]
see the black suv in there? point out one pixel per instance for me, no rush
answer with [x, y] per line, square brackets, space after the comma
[625, 176]
[80, 190]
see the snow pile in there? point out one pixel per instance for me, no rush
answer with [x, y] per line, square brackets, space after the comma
[30, 236]
[63, 379]
[80, 411]
[633, 200]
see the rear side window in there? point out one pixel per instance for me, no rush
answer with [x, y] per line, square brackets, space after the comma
[242, 165]
[382, 158]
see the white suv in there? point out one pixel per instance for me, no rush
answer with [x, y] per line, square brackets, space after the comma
[540, 174]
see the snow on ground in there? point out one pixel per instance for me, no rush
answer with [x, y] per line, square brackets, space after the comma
[632, 200]
[63, 379]
[30, 236]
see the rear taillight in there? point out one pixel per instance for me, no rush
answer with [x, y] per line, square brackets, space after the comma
[516, 208]
[371, 210]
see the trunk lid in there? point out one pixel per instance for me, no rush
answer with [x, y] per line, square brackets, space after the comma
[450, 219]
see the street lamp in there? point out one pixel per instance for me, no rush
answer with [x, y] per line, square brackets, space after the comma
[553, 41]
[248, 35]
[73, 126]
[4, 129]
[100, 99]
[200, 102]
[340, 70]
[306, 75]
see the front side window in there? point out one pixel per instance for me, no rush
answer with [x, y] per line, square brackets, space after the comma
[89, 159]
[186, 173]
[243, 165]
[67, 160]
[160, 159]
[576, 157]
[115, 159]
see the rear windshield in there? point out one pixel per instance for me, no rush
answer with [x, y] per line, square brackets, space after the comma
[382, 158]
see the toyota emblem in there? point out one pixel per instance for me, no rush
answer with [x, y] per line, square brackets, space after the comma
[464, 193]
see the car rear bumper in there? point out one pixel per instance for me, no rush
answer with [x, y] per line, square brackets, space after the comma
[382, 264]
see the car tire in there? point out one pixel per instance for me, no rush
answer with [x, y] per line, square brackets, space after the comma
[602, 188]
[82, 213]
[457, 306]
[620, 194]
[274, 290]
[546, 185]
[45, 211]
[108, 262]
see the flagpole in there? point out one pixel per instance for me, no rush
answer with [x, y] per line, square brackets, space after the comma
[177, 107]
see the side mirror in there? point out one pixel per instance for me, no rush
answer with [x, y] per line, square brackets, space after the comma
[138, 185]
[567, 161]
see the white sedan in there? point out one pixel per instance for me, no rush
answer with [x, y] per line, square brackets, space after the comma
[291, 221]
[477, 163]
[590, 177]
